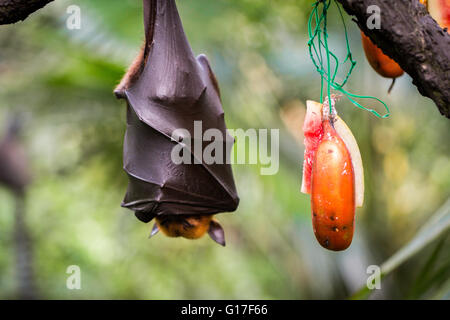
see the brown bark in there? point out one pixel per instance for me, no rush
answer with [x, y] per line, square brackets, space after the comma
[12, 11]
[410, 36]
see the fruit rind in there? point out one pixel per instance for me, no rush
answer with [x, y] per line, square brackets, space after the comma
[346, 135]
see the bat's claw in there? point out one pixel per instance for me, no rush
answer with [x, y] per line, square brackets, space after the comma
[119, 93]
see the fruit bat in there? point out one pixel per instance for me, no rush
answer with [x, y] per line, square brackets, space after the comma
[167, 88]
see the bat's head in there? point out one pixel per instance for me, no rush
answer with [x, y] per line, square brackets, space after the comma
[190, 227]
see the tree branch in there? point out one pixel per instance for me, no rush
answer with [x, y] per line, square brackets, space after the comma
[410, 36]
[12, 11]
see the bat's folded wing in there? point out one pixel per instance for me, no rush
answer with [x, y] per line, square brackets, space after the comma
[159, 186]
[175, 91]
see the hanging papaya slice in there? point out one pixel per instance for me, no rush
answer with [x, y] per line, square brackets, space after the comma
[332, 174]
[333, 191]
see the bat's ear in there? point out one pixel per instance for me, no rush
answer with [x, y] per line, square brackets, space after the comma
[154, 230]
[216, 232]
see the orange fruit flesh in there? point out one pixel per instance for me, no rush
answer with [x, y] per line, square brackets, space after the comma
[445, 16]
[440, 11]
[333, 192]
[380, 62]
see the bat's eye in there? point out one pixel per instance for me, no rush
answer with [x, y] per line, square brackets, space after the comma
[164, 222]
[187, 225]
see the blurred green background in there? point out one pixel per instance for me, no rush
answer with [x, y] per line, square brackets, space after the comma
[61, 82]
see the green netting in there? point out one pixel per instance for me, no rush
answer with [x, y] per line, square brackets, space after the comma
[319, 50]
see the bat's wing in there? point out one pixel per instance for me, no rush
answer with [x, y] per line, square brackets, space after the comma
[174, 91]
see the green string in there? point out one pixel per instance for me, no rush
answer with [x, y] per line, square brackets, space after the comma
[318, 41]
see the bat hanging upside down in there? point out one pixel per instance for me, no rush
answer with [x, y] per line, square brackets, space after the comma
[167, 88]
[189, 227]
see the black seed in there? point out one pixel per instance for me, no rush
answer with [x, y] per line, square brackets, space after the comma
[344, 227]
[332, 218]
[314, 214]
[327, 243]
[335, 229]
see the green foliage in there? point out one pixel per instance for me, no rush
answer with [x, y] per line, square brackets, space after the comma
[62, 81]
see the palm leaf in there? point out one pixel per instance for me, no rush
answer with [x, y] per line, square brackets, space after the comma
[437, 226]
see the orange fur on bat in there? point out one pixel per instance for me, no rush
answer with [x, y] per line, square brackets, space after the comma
[189, 227]
[131, 75]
